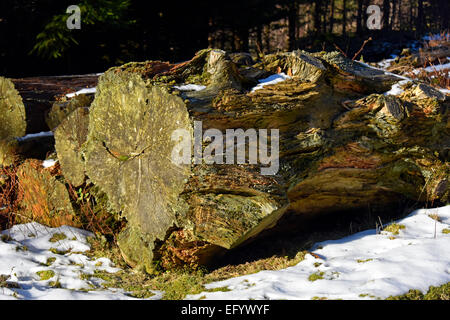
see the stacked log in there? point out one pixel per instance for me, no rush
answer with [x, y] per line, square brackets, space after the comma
[337, 144]
[336, 150]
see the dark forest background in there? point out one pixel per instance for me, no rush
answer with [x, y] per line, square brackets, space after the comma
[34, 39]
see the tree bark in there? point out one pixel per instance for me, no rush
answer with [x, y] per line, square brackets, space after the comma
[70, 136]
[317, 15]
[12, 111]
[44, 198]
[292, 25]
[259, 42]
[394, 12]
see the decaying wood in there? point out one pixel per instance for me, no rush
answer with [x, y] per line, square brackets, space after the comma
[332, 159]
[40, 93]
[69, 138]
[343, 146]
[44, 199]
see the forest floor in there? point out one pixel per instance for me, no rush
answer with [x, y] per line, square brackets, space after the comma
[407, 256]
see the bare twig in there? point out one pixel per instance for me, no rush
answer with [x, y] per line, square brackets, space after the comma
[361, 49]
[337, 47]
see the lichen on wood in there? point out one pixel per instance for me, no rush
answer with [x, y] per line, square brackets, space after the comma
[12, 111]
[70, 136]
[12, 120]
[62, 109]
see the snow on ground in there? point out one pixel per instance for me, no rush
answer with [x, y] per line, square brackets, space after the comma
[386, 63]
[190, 87]
[48, 263]
[273, 79]
[365, 265]
[438, 67]
[82, 91]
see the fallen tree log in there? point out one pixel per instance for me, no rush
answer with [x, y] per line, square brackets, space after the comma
[427, 56]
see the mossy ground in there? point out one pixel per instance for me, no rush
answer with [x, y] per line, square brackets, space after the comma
[49, 261]
[6, 238]
[45, 274]
[58, 237]
[434, 216]
[394, 228]
[316, 276]
[57, 251]
[434, 293]
[178, 283]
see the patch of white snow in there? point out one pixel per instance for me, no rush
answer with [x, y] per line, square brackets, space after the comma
[273, 79]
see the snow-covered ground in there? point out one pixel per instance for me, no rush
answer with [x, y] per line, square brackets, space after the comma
[49, 263]
[439, 67]
[37, 262]
[365, 265]
[396, 88]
